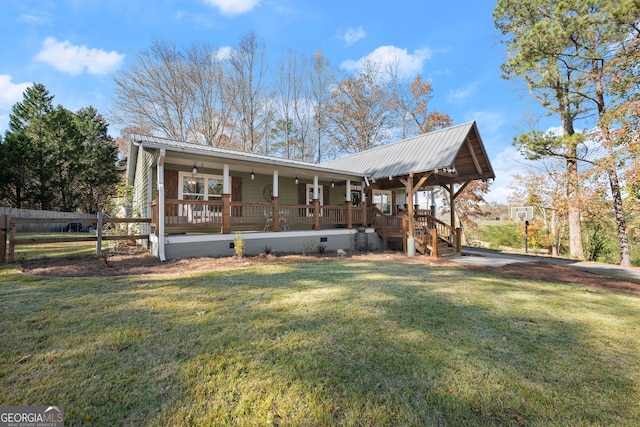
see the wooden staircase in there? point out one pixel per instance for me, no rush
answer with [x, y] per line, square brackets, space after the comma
[432, 236]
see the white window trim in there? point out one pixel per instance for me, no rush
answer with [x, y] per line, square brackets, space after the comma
[387, 192]
[182, 175]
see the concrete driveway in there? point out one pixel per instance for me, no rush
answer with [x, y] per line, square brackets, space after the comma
[489, 258]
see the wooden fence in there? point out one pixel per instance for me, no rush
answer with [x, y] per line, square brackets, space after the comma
[9, 241]
[64, 218]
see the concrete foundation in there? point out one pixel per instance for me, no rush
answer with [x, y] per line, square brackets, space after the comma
[284, 242]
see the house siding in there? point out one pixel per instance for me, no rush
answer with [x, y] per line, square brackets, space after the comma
[141, 192]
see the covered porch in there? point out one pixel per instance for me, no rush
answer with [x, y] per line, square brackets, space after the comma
[204, 194]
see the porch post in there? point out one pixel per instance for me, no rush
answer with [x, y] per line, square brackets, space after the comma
[411, 212]
[161, 206]
[316, 204]
[276, 212]
[276, 191]
[452, 199]
[275, 200]
[226, 184]
[226, 213]
[363, 203]
[349, 205]
[226, 200]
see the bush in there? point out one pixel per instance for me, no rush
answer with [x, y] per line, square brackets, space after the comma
[499, 234]
[238, 245]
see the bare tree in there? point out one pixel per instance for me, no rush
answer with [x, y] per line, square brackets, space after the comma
[411, 103]
[359, 112]
[154, 92]
[321, 81]
[209, 85]
[251, 104]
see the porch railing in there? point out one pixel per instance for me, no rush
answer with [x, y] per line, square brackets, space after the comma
[216, 216]
[209, 216]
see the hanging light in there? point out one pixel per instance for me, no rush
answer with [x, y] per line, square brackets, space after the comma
[253, 175]
[333, 184]
[194, 171]
[296, 181]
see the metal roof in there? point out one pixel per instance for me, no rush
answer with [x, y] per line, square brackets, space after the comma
[154, 142]
[426, 152]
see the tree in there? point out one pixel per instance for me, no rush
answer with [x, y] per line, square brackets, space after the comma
[564, 51]
[156, 93]
[412, 104]
[208, 76]
[359, 112]
[252, 110]
[537, 55]
[544, 190]
[29, 124]
[14, 161]
[321, 80]
[53, 159]
[98, 174]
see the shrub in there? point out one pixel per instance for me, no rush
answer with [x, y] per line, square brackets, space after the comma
[238, 245]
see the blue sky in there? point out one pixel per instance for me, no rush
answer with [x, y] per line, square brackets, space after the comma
[74, 46]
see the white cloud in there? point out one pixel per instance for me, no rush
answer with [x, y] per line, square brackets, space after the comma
[508, 163]
[72, 59]
[489, 123]
[233, 7]
[409, 64]
[10, 93]
[223, 53]
[353, 35]
[463, 93]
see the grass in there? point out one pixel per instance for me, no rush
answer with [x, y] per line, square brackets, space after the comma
[325, 344]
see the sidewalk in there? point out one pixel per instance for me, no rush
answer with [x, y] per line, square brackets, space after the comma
[490, 258]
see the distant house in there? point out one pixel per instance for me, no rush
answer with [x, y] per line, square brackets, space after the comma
[199, 197]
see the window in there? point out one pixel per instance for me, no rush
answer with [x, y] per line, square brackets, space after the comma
[383, 200]
[200, 187]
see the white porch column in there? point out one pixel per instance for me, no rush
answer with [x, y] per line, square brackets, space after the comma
[347, 196]
[160, 224]
[226, 182]
[275, 184]
[315, 187]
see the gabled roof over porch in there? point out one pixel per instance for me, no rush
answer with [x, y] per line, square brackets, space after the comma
[454, 155]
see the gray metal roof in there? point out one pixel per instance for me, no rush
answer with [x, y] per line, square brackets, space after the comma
[140, 140]
[426, 152]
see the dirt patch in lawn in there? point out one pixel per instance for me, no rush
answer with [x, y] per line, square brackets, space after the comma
[143, 263]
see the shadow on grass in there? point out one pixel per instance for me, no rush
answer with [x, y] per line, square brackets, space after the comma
[321, 344]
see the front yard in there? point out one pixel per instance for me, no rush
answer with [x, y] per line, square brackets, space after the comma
[334, 342]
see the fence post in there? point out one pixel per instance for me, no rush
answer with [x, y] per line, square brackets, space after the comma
[99, 234]
[12, 238]
[459, 240]
[4, 227]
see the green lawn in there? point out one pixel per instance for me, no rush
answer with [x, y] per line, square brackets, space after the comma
[331, 343]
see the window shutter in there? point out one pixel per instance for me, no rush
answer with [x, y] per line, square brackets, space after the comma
[171, 184]
[236, 194]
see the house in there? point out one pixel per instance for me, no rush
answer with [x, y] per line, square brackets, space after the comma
[199, 197]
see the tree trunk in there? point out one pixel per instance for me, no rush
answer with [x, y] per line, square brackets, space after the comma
[623, 239]
[575, 227]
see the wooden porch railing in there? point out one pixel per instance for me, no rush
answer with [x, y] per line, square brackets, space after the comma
[211, 216]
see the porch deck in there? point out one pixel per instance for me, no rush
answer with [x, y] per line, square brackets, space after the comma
[194, 228]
